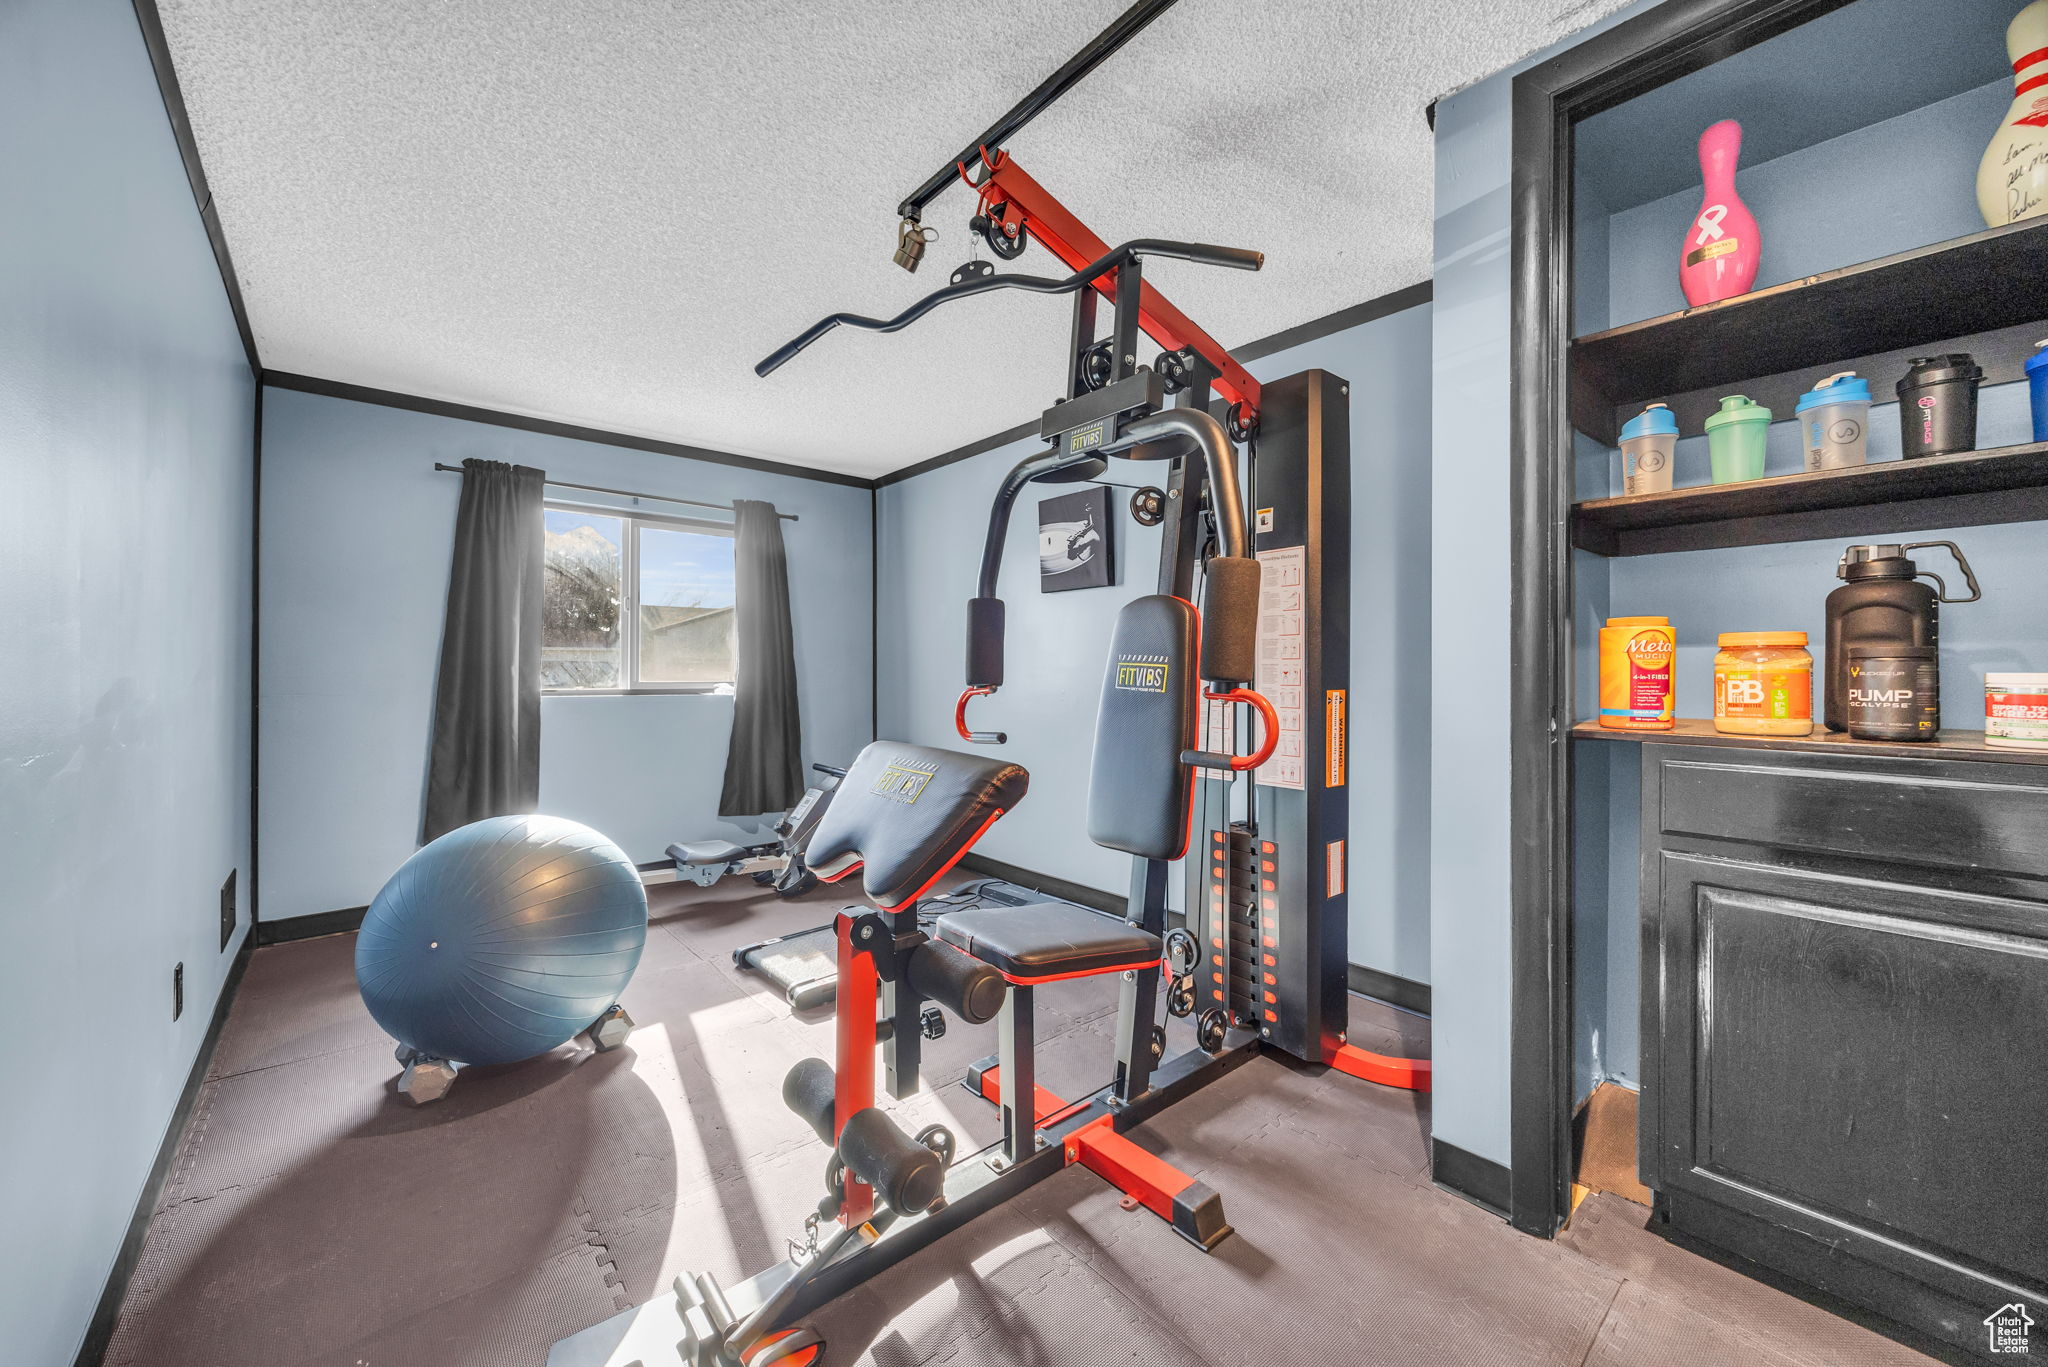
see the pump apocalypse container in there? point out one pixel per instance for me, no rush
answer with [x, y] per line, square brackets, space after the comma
[1763, 684]
[2016, 711]
[1636, 658]
[1894, 692]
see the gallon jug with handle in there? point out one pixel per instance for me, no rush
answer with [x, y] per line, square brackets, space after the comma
[1883, 604]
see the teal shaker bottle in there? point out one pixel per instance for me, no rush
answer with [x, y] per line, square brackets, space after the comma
[1735, 439]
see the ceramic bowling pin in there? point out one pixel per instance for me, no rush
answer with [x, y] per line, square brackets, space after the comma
[2012, 180]
[1721, 248]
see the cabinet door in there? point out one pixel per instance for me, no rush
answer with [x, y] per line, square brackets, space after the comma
[1861, 1062]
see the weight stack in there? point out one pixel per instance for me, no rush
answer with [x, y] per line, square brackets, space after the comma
[1238, 950]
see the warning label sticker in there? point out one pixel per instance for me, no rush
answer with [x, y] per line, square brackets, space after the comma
[1333, 876]
[1333, 738]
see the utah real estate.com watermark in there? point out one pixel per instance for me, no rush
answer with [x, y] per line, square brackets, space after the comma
[2007, 1327]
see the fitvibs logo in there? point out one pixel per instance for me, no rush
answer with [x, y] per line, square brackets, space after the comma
[904, 780]
[1141, 673]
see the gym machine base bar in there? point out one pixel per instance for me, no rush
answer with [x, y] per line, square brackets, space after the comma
[649, 1333]
[1409, 1074]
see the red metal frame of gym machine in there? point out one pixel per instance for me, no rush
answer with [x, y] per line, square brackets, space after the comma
[1017, 205]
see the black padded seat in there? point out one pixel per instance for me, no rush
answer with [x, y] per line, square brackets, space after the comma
[706, 852]
[1045, 941]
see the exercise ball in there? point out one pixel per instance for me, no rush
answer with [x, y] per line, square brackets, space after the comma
[502, 939]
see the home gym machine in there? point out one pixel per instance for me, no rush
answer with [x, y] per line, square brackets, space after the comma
[1261, 961]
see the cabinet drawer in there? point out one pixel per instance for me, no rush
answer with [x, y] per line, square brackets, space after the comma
[1947, 815]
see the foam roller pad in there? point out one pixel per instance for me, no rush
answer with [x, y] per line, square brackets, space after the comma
[964, 985]
[809, 1089]
[984, 643]
[906, 1174]
[1230, 619]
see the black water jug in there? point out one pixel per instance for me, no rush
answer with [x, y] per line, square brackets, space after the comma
[1883, 604]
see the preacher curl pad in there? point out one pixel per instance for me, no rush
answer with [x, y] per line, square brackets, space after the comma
[1140, 795]
[905, 813]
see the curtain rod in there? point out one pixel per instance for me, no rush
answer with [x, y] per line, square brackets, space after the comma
[624, 493]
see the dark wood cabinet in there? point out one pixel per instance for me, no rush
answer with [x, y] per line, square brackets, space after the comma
[1845, 1022]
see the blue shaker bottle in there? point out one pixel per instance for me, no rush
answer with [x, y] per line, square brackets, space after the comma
[2037, 386]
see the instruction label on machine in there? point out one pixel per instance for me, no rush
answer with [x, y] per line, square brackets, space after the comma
[1282, 645]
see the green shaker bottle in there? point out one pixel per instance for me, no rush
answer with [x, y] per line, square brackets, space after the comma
[1735, 439]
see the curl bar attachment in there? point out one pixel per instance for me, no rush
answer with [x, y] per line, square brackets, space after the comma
[1236, 258]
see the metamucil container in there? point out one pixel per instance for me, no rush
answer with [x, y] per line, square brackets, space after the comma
[1636, 659]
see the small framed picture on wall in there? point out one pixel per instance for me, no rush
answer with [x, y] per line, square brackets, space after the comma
[1076, 541]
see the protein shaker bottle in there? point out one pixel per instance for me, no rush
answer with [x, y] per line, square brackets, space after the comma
[1648, 441]
[1938, 405]
[2037, 388]
[1834, 421]
[1735, 439]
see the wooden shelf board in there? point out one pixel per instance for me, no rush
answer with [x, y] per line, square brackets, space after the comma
[1949, 744]
[1985, 282]
[1975, 488]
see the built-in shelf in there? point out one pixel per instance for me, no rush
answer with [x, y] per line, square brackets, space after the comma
[1986, 294]
[1700, 731]
[2007, 484]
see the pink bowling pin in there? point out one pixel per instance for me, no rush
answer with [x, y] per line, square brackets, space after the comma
[1722, 248]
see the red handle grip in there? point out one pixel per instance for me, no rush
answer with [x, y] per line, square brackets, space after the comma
[960, 721]
[1267, 715]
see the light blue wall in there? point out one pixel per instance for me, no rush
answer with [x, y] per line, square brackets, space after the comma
[126, 458]
[1470, 968]
[931, 527]
[357, 531]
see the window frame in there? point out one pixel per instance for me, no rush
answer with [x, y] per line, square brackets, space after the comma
[629, 599]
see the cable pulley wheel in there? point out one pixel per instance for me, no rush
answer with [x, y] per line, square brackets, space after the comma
[1234, 421]
[999, 241]
[940, 1141]
[1172, 369]
[1158, 1043]
[1183, 951]
[1148, 506]
[1210, 1030]
[1097, 365]
[1180, 998]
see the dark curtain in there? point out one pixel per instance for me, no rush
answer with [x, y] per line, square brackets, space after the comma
[763, 771]
[486, 744]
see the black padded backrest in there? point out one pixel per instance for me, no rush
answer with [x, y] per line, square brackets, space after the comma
[905, 813]
[1140, 794]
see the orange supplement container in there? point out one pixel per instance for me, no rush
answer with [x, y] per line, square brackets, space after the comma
[1763, 684]
[1636, 691]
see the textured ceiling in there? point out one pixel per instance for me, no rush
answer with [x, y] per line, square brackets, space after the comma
[604, 212]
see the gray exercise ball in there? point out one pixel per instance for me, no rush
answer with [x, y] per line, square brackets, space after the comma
[502, 939]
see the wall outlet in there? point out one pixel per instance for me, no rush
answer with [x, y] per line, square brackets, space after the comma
[177, 991]
[227, 910]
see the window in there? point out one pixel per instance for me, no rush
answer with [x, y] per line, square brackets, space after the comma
[635, 604]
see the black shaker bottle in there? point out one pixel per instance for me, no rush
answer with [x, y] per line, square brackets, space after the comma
[1938, 405]
[1882, 604]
